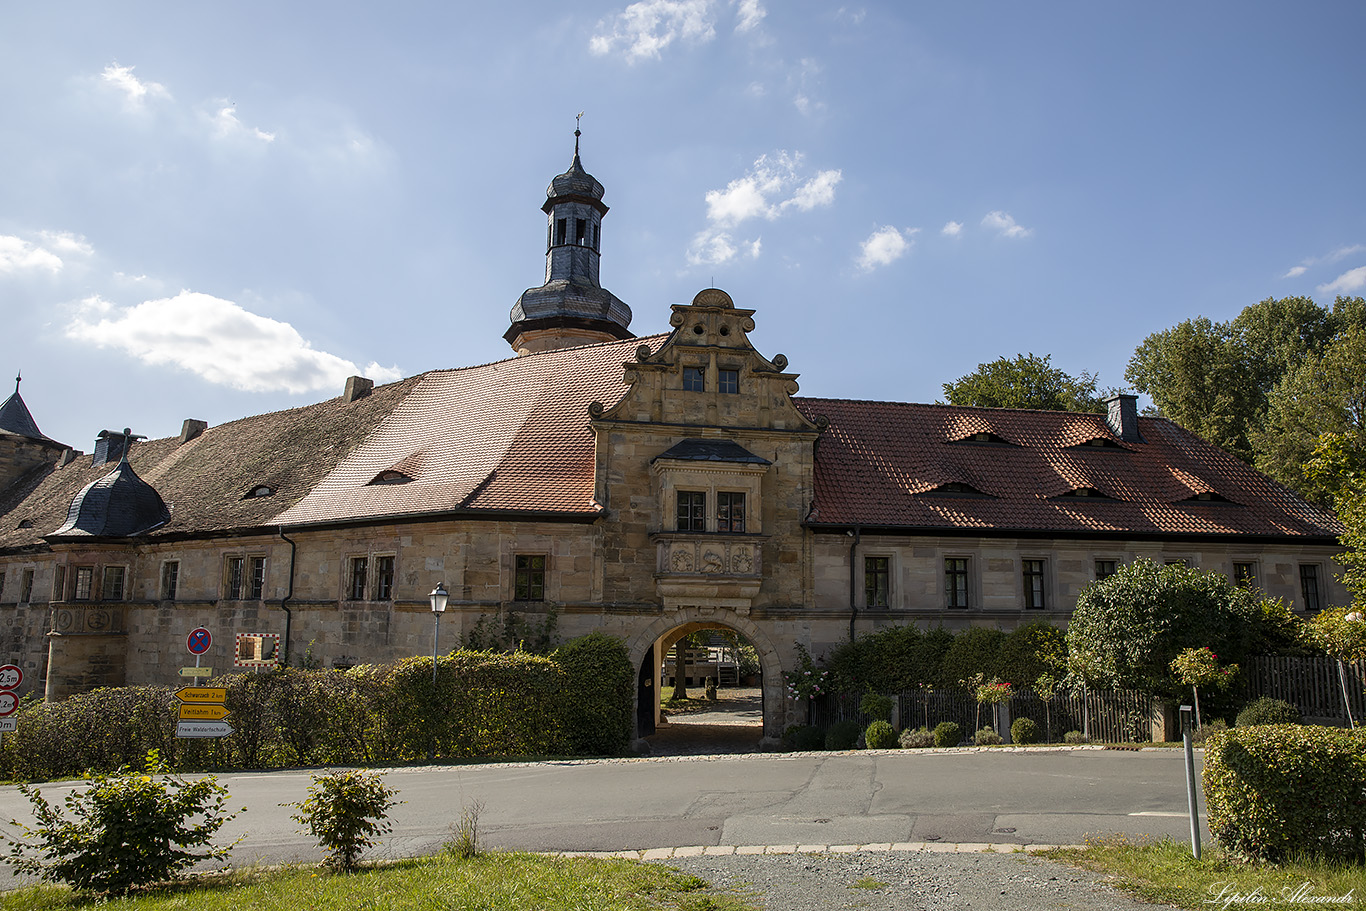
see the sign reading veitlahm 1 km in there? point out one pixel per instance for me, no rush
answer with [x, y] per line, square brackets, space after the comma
[202, 711]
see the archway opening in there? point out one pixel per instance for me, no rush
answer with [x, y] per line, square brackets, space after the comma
[710, 695]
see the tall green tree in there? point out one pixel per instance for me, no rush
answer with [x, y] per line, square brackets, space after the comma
[1027, 381]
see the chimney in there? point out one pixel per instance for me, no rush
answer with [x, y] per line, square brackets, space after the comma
[357, 387]
[191, 429]
[68, 456]
[109, 446]
[1123, 417]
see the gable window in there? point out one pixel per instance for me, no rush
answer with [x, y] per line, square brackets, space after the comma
[694, 379]
[384, 578]
[728, 382]
[256, 581]
[235, 576]
[360, 567]
[1245, 575]
[956, 581]
[85, 577]
[112, 589]
[26, 587]
[730, 512]
[529, 580]
[1033, 584]
[59, 582]
[1309, 586]
[692, 510]
[1105, 569]
[170, 579]
[877, 581]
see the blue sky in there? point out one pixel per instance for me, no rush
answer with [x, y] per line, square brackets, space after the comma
[211, 211]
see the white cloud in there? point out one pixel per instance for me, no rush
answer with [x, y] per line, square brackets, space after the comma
[1349, 282]
[1337, 255]
[952, 229]
[135, 91]
[219, 341]
[18, 255]
[646, 28]
[65, 242]
[773, 186]
[227, 126]
[1004, 224]
[1295, 272]
[750, 13]
[884, 247]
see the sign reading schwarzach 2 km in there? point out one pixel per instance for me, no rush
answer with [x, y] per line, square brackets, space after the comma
[202, 712]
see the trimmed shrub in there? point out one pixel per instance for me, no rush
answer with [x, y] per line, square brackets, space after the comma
[346, 812]
[1024, 731]
[986, 737]
[916, 739]
[1075, 737]
[947, 734]
[843, 735]
[1210, 728]
[1265, 710]
[876, 705]
[974, 651]
[1030, 651]
[804, 738]
[599, 687]
[1275, 791]
[880, 735]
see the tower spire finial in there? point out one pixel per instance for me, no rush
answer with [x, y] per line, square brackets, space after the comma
[577, 133]
[18, 378]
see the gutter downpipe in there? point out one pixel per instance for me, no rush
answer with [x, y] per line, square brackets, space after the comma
[853, 590]
[284, 604]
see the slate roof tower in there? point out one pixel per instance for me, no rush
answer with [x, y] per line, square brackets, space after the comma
[571, 308]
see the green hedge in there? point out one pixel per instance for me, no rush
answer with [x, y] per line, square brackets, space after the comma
[577, 701]
[1278, 791]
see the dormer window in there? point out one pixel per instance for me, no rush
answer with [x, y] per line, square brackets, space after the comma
[956, 489]
[25, 523]
[984, 436]
[260, 490]
[1086, 493]
[390, 476]
[1099, 443]
[1207, 496]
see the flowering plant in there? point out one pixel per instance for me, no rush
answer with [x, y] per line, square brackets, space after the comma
[994, 692]
[1197, 667]
[808, 680]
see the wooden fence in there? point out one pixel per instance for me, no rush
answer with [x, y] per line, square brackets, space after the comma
[1118, 716]
[1311, 684]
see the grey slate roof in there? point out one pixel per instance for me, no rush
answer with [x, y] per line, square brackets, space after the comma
[118, 505]
[711, 451]
[16, 419]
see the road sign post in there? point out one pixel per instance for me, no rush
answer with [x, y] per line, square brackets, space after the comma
[202, 711]
[11, 675]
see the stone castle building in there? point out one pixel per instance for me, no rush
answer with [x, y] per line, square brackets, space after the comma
[644, 486]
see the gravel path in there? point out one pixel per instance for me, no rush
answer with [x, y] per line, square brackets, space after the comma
[907, 881]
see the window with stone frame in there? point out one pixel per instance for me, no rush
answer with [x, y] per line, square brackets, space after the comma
[694, 379]
[112, 585]
[1245, 575]
[877, 581]
[384, 578]
[956, 582]
[1035, 587]
[170, 579]
[730, 512]
[1309, 587]
[1105, 569]
[256, 578]
[728, 382]
[692, 510]
[2, 585]
[360, 570]
[234, 578]
[59, 582]
[529, 577]
[85, 581]
[26, 587]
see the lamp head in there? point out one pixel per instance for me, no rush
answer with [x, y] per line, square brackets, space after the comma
[439, 597]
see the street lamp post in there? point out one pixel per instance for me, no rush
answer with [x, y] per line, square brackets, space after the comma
[439, 598]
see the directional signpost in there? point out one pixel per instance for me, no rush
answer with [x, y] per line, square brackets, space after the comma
[10, 677]
[202, 711]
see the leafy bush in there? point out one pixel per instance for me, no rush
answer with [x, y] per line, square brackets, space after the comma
[843, 735]
[346, 812]
[804, 738]
[876, 705]
[1075, 737]
[1030, 651]
[880, 735]
[126, 830]
[1265, 710]
[1275, 791]
[890, 660]
[1024, 731]
[947, 734]
[1201, 734]
[916, 738]
[974, 651]
[986, 737]
[599, 687]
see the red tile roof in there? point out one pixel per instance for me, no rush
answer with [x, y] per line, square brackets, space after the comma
[878, 462]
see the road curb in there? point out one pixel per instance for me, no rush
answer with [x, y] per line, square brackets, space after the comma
[923, 847]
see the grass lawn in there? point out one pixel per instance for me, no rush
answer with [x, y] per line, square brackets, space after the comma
[1164, 871]
[488, 882]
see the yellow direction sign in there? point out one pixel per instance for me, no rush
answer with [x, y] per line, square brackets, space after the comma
[218, 694]
[203, 712]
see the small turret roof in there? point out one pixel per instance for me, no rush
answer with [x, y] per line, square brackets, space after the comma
[118, 505]
[16, 419]
[576, 181]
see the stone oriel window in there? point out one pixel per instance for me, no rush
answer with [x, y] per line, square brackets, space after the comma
[234, 578]
[730, 512]
[728, 381]
[529, 578]
[956, 582]
[170, 579]
[692, 510]
[360, 570]
[694, 379]
[1034, 587]
[85, 579]
[384, 578]
[1309, 587]
[877, 581]
[112, 589]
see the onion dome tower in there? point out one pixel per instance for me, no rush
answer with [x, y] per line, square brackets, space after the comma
[118, 505]
[571, 308]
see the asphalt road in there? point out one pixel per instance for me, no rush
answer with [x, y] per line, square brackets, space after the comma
[1000, 796]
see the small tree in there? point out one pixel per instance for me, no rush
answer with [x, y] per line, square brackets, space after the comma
[1047, 687]
[1197, 667]
[126, 830]
[346, 811]
[1340, 632]
[991, 693]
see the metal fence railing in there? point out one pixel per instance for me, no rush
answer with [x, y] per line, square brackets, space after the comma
[1313, 684]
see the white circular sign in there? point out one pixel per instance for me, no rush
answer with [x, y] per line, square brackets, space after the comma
[10, 677]
[8, 703]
